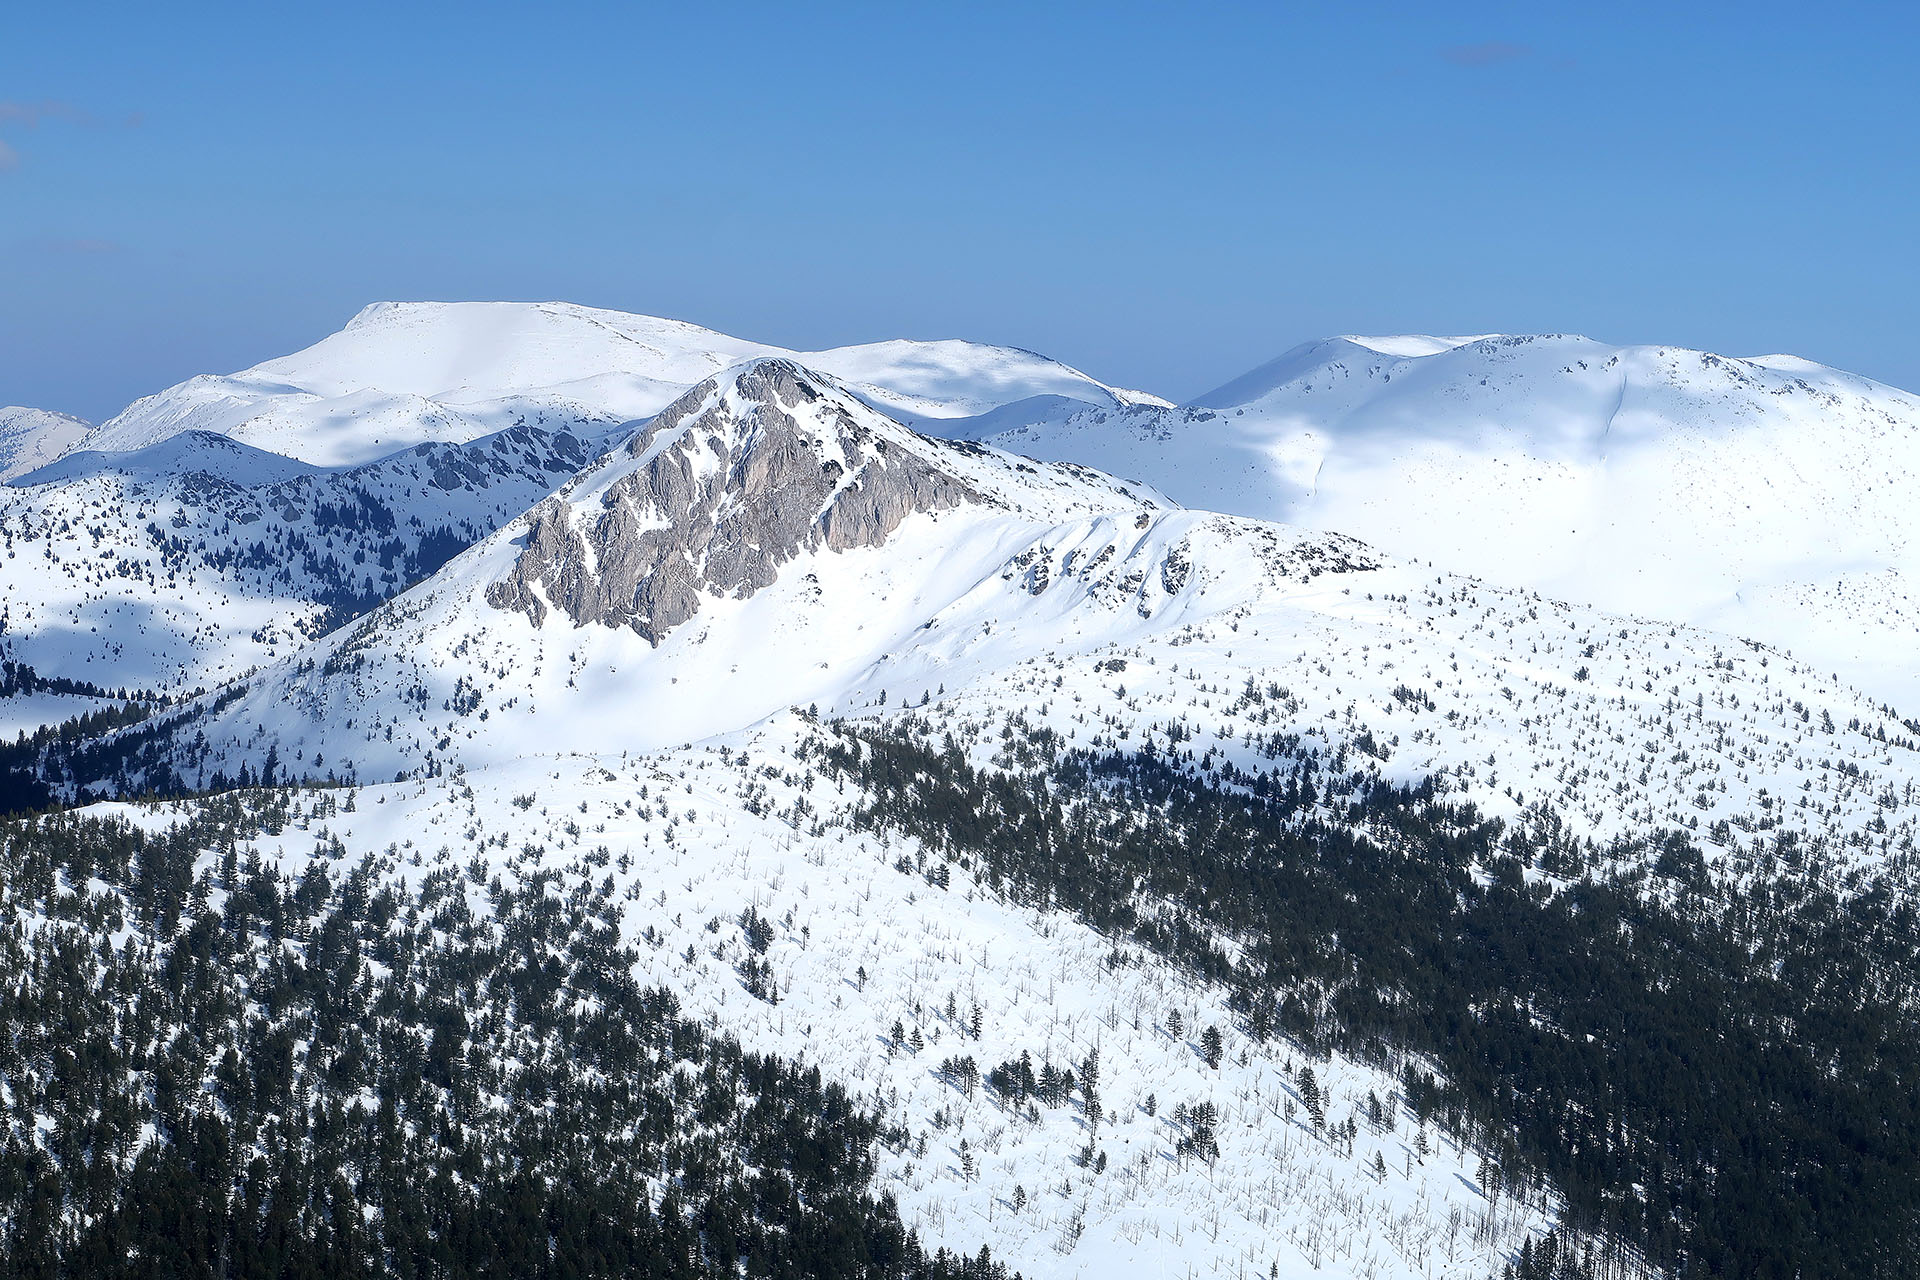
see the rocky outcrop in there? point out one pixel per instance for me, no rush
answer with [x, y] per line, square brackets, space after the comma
[730, 482]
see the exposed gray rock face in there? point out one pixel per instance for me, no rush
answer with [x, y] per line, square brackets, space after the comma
[733, 479]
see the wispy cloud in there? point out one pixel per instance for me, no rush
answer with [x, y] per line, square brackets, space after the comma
[15, 114]
[32, 113]
[1486, 54]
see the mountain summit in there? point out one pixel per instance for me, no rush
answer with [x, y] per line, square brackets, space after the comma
[734, 479]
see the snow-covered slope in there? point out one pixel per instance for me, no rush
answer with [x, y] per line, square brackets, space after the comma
[404, 373]
[949, 381]
[1769, 497]
[32, 438]
[1308, 358]
[690, 840]
[175, 566]
[203, 453]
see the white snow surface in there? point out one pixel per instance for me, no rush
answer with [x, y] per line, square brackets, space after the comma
[922, 382]
[188, 453]
[1769, 498]
[32, 438]
[401, 373]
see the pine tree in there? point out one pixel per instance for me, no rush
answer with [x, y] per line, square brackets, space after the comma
[1211, 1047]
[1310, 1099]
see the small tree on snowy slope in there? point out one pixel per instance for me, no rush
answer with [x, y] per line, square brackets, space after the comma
[1310, 1099]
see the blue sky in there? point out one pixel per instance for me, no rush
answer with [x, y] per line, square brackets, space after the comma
[1163, 195]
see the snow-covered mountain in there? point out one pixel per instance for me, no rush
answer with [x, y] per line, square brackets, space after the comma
[769, 542]
[761, 543]
[406, 373]
[900, 755]
[631, 685]
[770, 539]
[1762, 498]
[447, 418]
[31, 438]
[1766, 497]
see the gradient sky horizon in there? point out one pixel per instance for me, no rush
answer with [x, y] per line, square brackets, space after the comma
[1163, 196]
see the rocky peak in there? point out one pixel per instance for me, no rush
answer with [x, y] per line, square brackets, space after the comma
[740, 475]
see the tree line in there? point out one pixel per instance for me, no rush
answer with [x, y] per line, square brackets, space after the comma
[212, 1067]
[1721, 1075]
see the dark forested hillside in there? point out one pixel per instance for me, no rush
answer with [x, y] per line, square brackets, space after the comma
[211, 1068]
[1717, 1071]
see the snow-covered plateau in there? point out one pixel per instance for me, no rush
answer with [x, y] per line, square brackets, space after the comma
[1767, 497]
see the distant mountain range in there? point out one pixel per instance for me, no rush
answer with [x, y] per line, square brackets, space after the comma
[1399, 814]
[402, 374]
[1761, 497]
